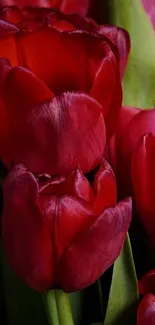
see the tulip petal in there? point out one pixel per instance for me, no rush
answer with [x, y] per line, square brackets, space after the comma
[147, 283]
[95, 250]
[105, 187]
[89, 52]
[145, 121]
[54, 139]
[11, 14]
[80, 7]
[26, 239]
[121, 39]
[136, 124]
[24, 91]
[125, 116]
[146, 311]
[71, 216]
[8, 47]
[76, 184]
[143, 181]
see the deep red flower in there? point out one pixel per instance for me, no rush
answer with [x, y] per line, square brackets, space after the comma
[80, 63]
[146, 311]
[63, 232]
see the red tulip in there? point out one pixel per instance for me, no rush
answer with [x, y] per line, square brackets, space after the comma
[67, 6]
[133, 124]
[146, 311]
[63, 232]
[31, 128]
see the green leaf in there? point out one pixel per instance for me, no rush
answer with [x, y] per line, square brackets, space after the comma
[139, 79]
[123, 297]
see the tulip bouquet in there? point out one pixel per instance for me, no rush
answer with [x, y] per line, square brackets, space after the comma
[77, 162]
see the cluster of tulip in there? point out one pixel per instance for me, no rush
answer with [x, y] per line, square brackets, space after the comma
[76, 157]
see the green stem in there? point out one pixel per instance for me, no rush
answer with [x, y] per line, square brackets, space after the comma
[139, 79]
[58, 308]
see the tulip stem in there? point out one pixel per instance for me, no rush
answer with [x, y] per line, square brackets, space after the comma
[58, 308]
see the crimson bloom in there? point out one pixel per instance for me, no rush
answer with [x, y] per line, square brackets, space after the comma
[37, 75]
[133, 157]
[63, 232]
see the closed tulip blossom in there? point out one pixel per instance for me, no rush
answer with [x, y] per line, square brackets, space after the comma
[40, 85]
[132, 152]
[63, 232]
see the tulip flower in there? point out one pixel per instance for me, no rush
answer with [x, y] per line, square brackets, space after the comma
[28, 83]
[63, 232]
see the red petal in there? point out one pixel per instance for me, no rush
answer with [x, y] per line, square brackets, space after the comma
[26, 240]
[105, 187]
[107, 89]
[121, 39]
[105, 78]
[8, 47]
[80, 7]
[127, 140]
[54, 139]
[61, 25]
[146, 311]
[71, 216]
[76, 184]
[24, 91]
[111, 120]
[94, 57]
[11, 14]
[125, 116]
[95, 250]
[143, 180]
[147, 283]
[141, 124]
